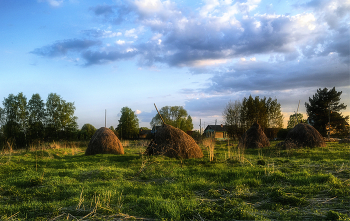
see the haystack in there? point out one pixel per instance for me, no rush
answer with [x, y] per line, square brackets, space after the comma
[173, 142]
[303, 135]
[254, 137]
[104, 141]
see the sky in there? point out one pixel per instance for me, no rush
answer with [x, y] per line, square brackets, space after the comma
[105, 55]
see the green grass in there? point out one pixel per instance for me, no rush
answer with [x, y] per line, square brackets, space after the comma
[61, 183]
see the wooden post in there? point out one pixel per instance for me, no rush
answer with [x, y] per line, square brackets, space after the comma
[159, 113]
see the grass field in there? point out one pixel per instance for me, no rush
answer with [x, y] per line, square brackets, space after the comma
[57, 182]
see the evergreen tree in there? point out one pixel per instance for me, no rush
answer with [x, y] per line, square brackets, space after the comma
[323, 108]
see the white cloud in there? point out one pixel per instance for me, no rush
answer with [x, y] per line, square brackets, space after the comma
[149, 6]
[156, 36]
[138, 112]
[209, 62]
[120, 42]
[54, 3]
[131, 33]
[110, 34]
[253, 59]
[305, 20]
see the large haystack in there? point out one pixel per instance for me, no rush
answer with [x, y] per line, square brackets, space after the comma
[173, 142]
[303, 135]
[254, 137]
[104, 141]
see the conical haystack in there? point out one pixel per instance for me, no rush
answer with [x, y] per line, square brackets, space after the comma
[104, 141]
[173, 142]
[254, 137]
[303, 135]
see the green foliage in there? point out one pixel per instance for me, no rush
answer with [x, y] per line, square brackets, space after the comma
[23, 123]
[175, 116]
[36, 120]
[325, 106]
[87, 131]
[294, 119]
[333, 215]
[128, 124]
[266, 112]
[60, 119]
[232, 118]
[15, 119]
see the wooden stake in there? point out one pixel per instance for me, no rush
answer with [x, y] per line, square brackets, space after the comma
[159, 113]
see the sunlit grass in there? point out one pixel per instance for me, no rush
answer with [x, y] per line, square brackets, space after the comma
[57, 181]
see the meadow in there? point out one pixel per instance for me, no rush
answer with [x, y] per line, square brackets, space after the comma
[56, 181]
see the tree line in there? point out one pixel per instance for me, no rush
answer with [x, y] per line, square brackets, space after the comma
[25, 122]
[241, 115]
[128, 126]
[323, 111]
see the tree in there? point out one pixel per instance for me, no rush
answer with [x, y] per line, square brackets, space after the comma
[266, 112]
[36, 117]
[15, 119]
[128, 124]
[275, 116]
[294, 119]
[254, 110]
[323, 108]
[232, 118]
[232, 113]
[87, 131]
[175, 116]
[60, 119]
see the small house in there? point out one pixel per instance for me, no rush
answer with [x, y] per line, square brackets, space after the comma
[216, 131]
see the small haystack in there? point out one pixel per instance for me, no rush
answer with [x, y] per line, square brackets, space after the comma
[104, 141]
[173, 142]
[303, 135]
[254, 137]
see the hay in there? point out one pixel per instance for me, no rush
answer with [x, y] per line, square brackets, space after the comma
[173, 142]
[104, 141]
[303, 135]
[254, 137]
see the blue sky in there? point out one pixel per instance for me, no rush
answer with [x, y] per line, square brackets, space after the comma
[197, 54]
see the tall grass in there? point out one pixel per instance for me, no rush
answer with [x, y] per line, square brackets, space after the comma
[209, 143]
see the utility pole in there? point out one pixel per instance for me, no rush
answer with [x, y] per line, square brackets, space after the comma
[200, 126]
[105, 118]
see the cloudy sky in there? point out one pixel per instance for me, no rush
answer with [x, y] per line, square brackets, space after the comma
[197, 54]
